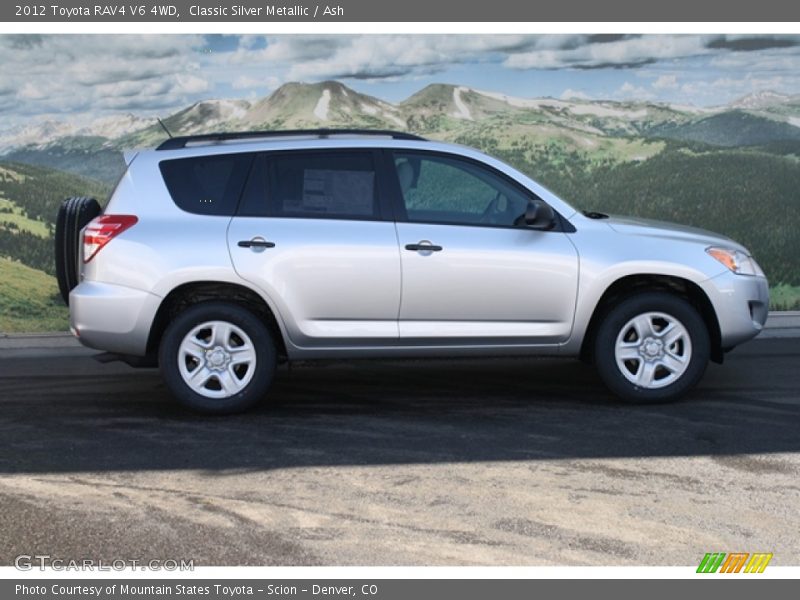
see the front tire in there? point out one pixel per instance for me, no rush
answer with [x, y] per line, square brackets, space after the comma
[217, 358]
[652, 347]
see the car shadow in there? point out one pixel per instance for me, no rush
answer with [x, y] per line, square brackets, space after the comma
[393, 412]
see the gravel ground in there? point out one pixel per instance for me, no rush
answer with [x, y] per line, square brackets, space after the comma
[500, 462]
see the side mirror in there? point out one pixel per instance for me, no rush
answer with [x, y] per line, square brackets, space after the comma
[538, 215]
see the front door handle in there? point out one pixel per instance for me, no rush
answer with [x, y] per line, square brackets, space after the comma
[256, 243]
[423, 246]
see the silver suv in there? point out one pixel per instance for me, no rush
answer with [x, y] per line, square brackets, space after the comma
[219, 255]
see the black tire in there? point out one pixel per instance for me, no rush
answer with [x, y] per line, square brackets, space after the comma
[666, 385]
[73, 215]
[171, 355]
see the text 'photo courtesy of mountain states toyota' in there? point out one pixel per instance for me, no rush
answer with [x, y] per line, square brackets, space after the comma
[220, 255]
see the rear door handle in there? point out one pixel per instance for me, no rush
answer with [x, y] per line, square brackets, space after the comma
[256, 243]
[423, 246]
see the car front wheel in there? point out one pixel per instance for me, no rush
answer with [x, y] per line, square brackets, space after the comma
[652, 347]
[217, 358]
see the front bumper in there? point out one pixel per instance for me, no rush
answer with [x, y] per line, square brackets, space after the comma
[112, 317]
[741, 303]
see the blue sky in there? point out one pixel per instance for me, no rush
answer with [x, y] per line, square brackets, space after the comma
[84, 76]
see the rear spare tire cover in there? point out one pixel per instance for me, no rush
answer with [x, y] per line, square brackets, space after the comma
[73, 216]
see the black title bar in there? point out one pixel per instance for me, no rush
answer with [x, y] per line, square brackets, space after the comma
[177, 11]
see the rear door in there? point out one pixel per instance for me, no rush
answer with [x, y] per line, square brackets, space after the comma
[471, 274]
[310, 233]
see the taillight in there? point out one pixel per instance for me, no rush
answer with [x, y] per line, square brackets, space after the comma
[102, 230]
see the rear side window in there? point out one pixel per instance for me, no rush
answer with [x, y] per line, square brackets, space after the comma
[316, 185]
[207, 185]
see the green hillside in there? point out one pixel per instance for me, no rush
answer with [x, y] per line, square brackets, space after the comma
[784, 297]
[29, 201]
[83, 156]
[13, 216]
[735, 171]
[29, 300]
[734, 128]
[748, 194]
[40, 190]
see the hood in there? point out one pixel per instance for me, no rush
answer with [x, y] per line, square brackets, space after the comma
[665, 229]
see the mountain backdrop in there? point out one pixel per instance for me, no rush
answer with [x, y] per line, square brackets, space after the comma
[734, 169]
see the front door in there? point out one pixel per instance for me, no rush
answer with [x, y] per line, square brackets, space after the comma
[470, 274]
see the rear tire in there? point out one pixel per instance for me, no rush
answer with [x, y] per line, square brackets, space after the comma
[73, 215]
[652, 347]
[217, 358]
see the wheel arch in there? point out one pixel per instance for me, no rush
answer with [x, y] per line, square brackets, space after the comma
[189, 294]
[629, 285]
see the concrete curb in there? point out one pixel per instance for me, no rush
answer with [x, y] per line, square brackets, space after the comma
[783, 319]
[780, 324]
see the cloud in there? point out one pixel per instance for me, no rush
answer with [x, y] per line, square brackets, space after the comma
[570, 94]
[727, 88]
[246, 82]
[633, 92]
[375, 57]
[251, 42]
[751, 43]
[631, 51]
[666, 82]
[784, 59]
[368, 57]
[191, 84]
[98, 74]
[622, 52]
[24, 41]
[31, 92]
[69, 73]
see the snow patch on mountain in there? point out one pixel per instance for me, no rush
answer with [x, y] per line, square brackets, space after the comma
[512, 100]
[462, 111]
[208, 114]
[761, 99]
[601, 110]
[233, 109]
[115, 126]
[692, 109]
[38, 134]
[395, 119]
[321, 109]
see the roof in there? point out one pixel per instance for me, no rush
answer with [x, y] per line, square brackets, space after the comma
[176, 143]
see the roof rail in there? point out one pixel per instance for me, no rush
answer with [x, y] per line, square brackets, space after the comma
[182, 141]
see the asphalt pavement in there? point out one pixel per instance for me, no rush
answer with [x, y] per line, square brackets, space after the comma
[434, 462]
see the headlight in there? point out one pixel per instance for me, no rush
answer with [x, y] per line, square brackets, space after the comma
[737, 261]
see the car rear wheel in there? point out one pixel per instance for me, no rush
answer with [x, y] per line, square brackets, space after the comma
[217, 358]
[73, 215]
[652, 347]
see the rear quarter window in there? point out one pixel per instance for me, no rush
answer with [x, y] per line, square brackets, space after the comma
[207, 185]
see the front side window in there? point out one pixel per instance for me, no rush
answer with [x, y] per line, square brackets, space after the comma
[332, 185]
[445, 189]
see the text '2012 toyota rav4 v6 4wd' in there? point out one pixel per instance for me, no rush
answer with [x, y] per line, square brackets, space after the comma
[217, 255]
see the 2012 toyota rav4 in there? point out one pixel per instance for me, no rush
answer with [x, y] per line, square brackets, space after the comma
[217, 255]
